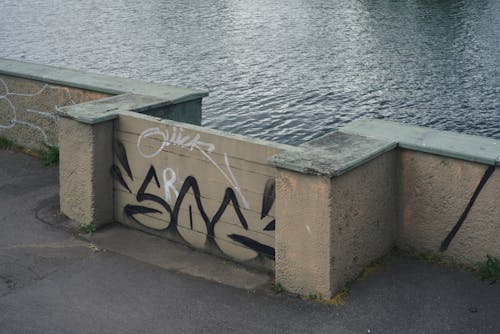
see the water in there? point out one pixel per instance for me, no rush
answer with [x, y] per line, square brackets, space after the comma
[284, 70]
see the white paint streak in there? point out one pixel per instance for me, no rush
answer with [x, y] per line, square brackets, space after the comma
[150, 133]
[44, 113]
[36, 127]
[14, 120]
[178, 139]
[169, 185]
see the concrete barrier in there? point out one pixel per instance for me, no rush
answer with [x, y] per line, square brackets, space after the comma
[347, 198]
[316, 214]
[28, 109]
[31, 96]
[448, 191]
[336, 210]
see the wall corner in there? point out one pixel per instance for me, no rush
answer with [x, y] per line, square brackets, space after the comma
[303, 233]
[85, 157]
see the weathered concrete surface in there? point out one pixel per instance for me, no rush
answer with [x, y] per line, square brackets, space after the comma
[98, 111]
[336, 210]
[51, 282]
[28, 109]
[98, 82]
[434, 193]
[32, 95]
[151, 249]
[303, 252]
[414, 199]
[209, 190]
[418, 138]
[86, 154]
[364, 217]
[332, 155]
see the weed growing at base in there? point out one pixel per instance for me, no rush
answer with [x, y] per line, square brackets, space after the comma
[489, 270]
[87, 228]
[277, 288]
[6, 144]
[49, 154]
[338, 299]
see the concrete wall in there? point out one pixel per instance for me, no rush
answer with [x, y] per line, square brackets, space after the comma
[345, 199]
[364, 217]
[336, 211]
[317, 214]
[435, 192]
[448, 194]
[32, 96]
[208, 189]
[330, 229]
[28, 109]
[85, 154]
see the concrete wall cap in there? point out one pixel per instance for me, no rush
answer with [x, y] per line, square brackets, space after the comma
[445, 143]
[332, 155]
[97, 82]
[102, 110]
[168, 122]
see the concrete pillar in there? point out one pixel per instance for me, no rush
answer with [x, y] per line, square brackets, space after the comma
[335, 211]
[85, 157]
[86, 150]
[303, 214]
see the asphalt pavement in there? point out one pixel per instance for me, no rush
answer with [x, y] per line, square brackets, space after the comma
[53, 280]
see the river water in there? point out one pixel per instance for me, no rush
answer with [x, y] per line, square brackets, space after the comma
[284, 70]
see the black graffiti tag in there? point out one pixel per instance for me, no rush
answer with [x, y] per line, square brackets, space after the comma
[191, 184]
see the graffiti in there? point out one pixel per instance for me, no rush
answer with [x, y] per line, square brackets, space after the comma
[178, 139]
[169, 184]
[121, 154]
[13, 111]
[172, 200]
[446, 242]
[267, 203]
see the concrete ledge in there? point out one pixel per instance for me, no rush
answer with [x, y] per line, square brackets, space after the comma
[102, 110]
[449, 144]
[97, 82]
[213, 132]
[332, 155]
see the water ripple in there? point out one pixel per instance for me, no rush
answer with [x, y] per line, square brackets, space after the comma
[284, 70]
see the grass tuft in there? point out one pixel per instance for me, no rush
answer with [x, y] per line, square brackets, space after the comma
[6, 144]
[87, 228]
[337, 300]
[489, 270]
[49, 154]
[277, 288]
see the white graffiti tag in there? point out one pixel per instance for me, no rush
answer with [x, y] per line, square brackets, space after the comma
[177, 138]
[169, 183]
[13, 111]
